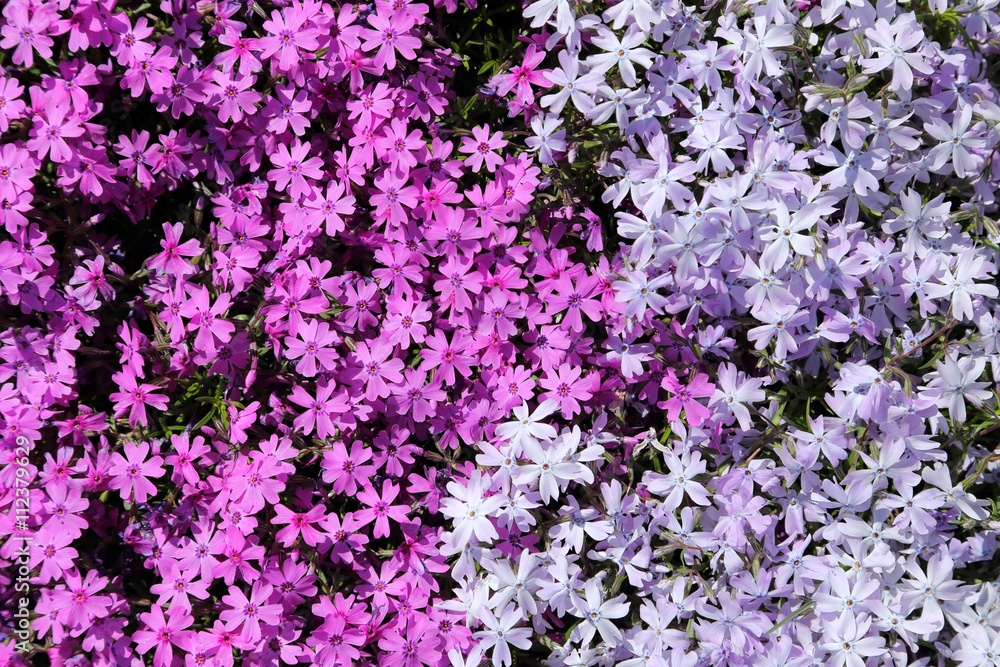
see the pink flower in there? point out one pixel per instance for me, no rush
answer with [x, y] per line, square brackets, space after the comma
[525, 75]
[567, 388]
[293, 303]
[51, 548]
[90, 282]
[178, 583]
[134, 397]
[513, 387]
[380, 508]
[50, 132]
[319, 410]
[685, 398]
[79, 603]
[298, 523]
[130, 472]
[188, 452]
[233, 96]
[26, 32]
[164, 634]
[458, 280]
[90, 167]
[17, 167]
[288, 109]
[375, 370]
[205, 319]
[138, 157]
[393, 198]
[331, 208]
[314, 343]
[390, 35]
[241, 49]
[287, 38]
[249, 612]
[481, 147]
[241, 420]
[129, 47]
[414, 647]
[293, 167]
[11, 108]
[345, 470]
[133, 344]
[448, 357]
[397, 146]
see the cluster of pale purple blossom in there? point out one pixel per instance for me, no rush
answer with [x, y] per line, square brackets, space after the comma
[324, 362]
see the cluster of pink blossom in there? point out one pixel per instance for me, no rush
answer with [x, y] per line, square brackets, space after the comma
[308, 315]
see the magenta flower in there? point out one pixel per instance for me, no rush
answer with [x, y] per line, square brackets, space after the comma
[298, 523]
[481, 148]
[233, 96]
[17, 167]
[292, 167]
[380, 508]
[332, 207]
[87, 166]
[249, 612]
[391, 36]
[51, 549]
[130, 473]
[345, 470]
[567, 388]
[188, 453]
[79, 603]
[205, 319]
[319, 410]
[49, 134]
[685, 397]
[447, 357]
[313, 345]
[11, 107]
[414, 647]
[288, 38]
[164, 633]
[178, 583]
[134, 397]
[26, 32]
[138, 156]
[376, 370]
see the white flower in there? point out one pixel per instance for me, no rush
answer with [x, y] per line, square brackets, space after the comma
[501, 632]
[547, 139]
[529, 427]
[622, 53]
[598, 615]
[552, 465]
[574, 86]
[955, 382]
[470, 510]
[541, 11]
[893, 44]
[639, 292]
[959, 285]
[679, 481]
[850, 643]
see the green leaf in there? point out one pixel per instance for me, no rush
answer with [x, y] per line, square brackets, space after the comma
[798, 612]
[204, 420]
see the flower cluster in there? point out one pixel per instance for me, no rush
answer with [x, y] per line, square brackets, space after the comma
[806, 198]
[311, 315]
[265, 274]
